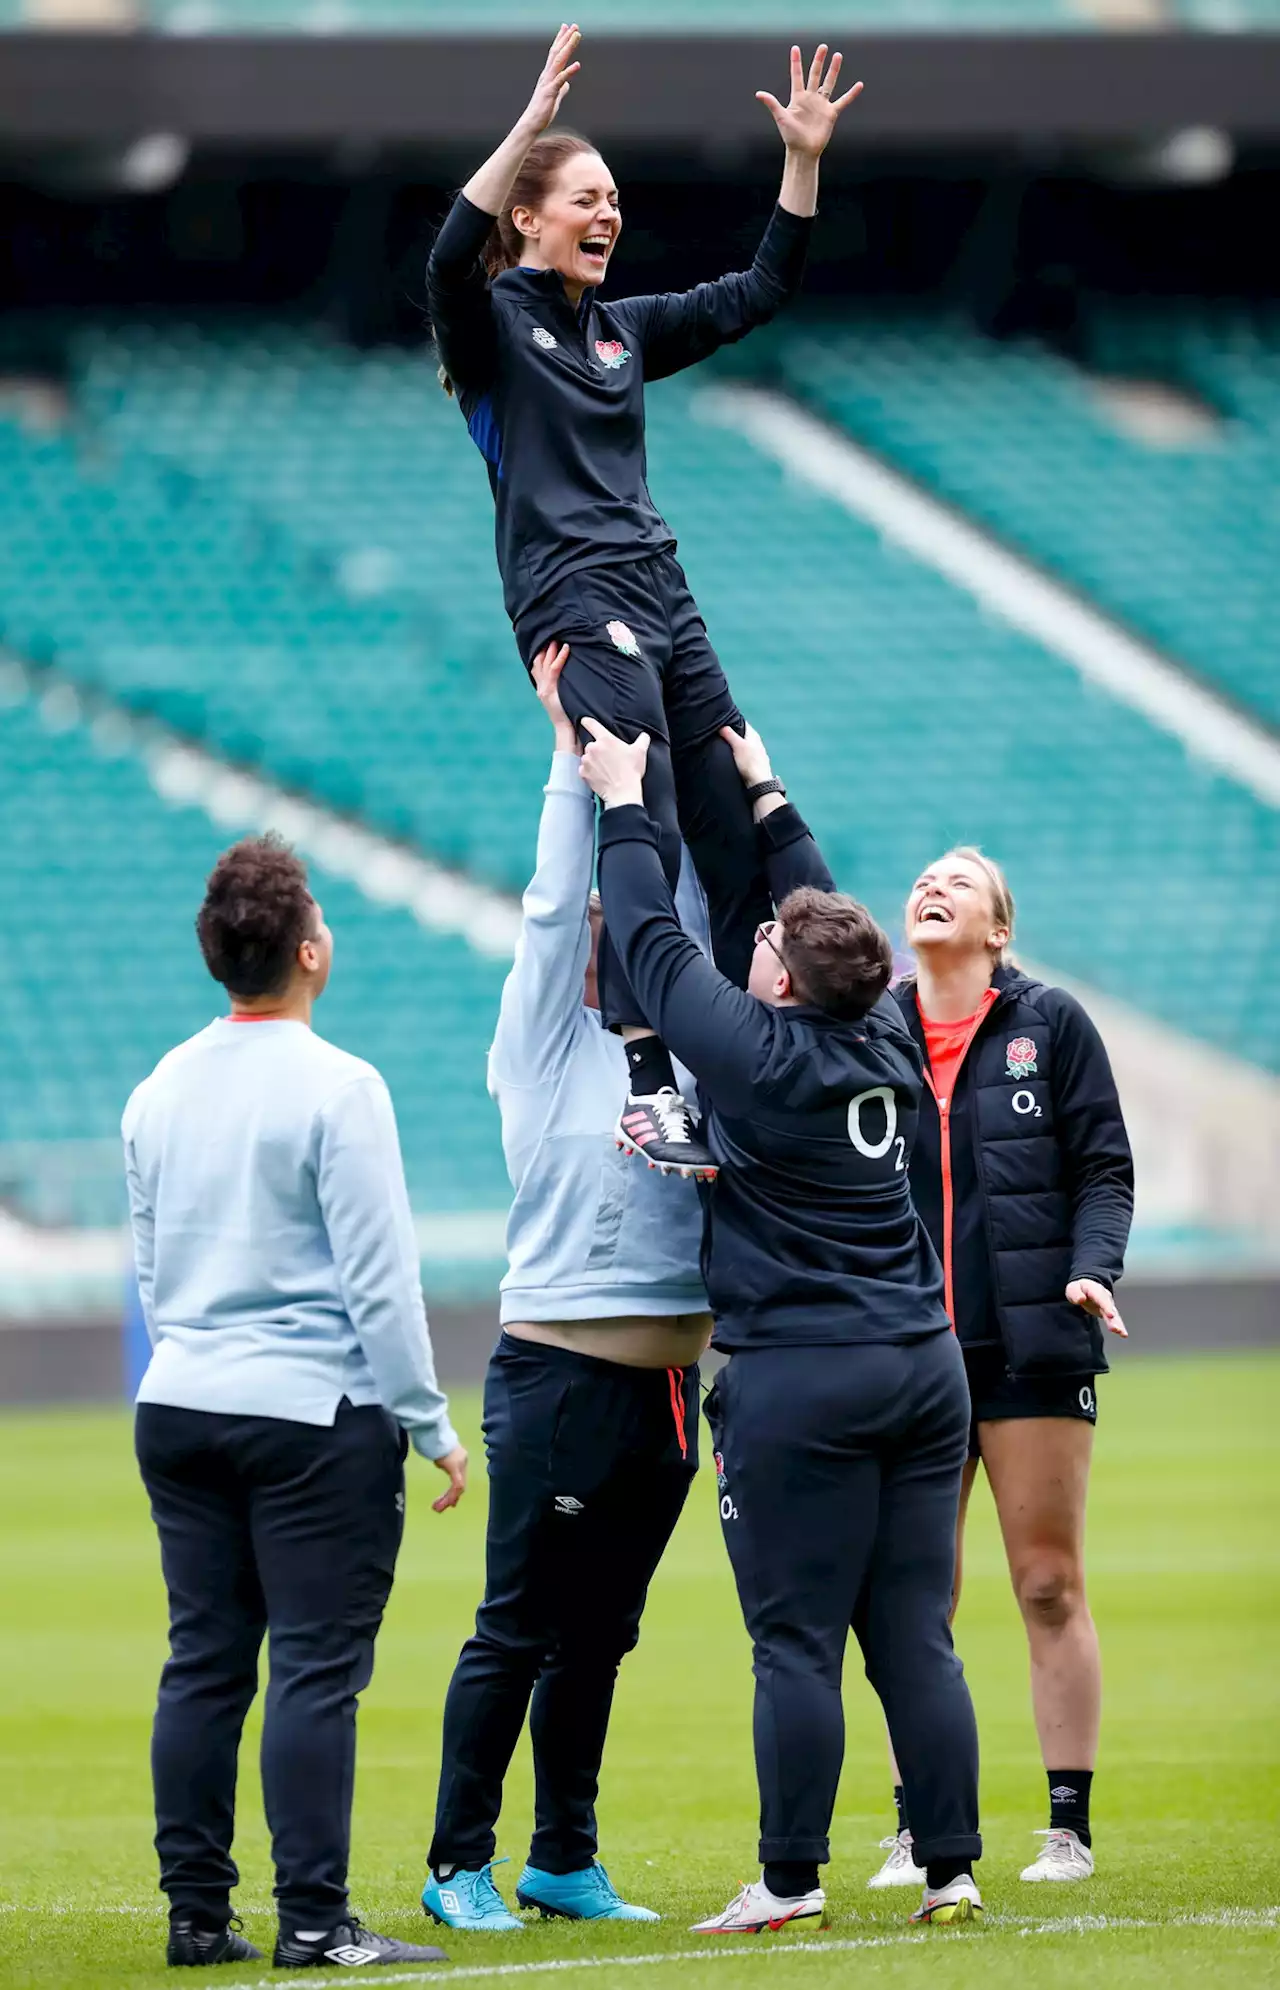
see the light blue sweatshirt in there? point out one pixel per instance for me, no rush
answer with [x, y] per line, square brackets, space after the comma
[591, 1234]
[274, 1243]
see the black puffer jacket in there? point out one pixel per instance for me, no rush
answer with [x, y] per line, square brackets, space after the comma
[1036, 1168]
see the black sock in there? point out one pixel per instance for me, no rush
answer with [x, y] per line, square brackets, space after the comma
[649, 1066]
[941, 1872]
[1069, 1801]
[787, 1879]
[900, 1804]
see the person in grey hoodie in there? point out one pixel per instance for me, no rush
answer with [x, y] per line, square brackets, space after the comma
[591, 1399]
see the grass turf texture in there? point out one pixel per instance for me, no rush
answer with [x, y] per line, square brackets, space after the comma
[1184, 1583]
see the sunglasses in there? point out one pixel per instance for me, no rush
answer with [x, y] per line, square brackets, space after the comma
[765, 931]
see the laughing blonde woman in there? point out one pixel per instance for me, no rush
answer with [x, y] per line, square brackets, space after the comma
[1023, 1176]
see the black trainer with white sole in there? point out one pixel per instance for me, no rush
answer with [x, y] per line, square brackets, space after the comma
[350, 1946]
[659, 1126]
[194, 1947]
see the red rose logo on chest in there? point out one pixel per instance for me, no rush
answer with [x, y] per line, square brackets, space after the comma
[612, 353]
[1020, 1058]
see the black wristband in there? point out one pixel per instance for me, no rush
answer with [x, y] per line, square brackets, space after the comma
[770, 787]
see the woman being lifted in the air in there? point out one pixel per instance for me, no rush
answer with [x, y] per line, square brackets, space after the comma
[551, 381]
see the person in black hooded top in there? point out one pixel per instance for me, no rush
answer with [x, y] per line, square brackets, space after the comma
[551, 381]
[841, 1418]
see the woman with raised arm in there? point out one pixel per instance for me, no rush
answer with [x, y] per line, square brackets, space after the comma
[551, 382]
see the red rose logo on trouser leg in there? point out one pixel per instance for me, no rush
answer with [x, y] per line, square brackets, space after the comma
[1020, 1058]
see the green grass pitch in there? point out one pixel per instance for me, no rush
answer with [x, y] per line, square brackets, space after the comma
[1185, 1582]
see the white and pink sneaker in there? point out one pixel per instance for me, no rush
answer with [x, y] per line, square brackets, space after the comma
[659, 1127]
[754, 1909]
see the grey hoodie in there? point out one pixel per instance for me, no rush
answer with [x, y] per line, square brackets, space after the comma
[592, 1234]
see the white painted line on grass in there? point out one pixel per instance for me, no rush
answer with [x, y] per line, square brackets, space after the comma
[713, 1952]
[1209, 727]
[1245, 1918]
[1258, 1918]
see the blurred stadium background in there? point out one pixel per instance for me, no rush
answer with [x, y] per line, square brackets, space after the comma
[987, 533]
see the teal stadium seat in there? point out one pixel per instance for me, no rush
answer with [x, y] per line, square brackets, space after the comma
[617, 16]
[293, 544]
[100, 975]
[217, 575]
[1178, 543]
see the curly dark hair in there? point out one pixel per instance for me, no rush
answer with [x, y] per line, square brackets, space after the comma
[838, 957]
[257, 911]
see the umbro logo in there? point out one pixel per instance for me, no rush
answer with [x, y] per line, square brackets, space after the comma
[1062, 1794]
[350, 1954]
[566, 1503]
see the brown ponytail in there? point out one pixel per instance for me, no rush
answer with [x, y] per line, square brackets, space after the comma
[543, 160]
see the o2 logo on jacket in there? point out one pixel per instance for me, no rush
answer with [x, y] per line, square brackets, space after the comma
[1020, 1058]
[875, 1150]
[612, 353]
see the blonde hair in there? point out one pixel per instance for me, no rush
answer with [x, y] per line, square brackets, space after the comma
[1002, 907]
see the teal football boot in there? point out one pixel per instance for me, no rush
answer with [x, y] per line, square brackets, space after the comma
[589, 1895]
[469, 1900]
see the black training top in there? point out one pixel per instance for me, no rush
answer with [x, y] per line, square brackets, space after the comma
[811, 1236]
[554, 397]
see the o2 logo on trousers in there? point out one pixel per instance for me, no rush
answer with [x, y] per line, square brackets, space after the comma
[1088, 1402]
[891, 1136]
[728, 1511]
[1026, 1102]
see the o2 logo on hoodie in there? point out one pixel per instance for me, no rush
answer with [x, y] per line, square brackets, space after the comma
[612, 353]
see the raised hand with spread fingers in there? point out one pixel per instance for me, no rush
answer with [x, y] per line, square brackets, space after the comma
[806, 122]
[490, 184]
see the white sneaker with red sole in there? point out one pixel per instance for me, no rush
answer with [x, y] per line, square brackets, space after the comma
[754, 1909]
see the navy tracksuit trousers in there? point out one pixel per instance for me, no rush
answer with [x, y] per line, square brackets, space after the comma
[589, 1466]
[839, 1472]
[640, 660]
[279, 1527]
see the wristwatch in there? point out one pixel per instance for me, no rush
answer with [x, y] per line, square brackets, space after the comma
[770, 787]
